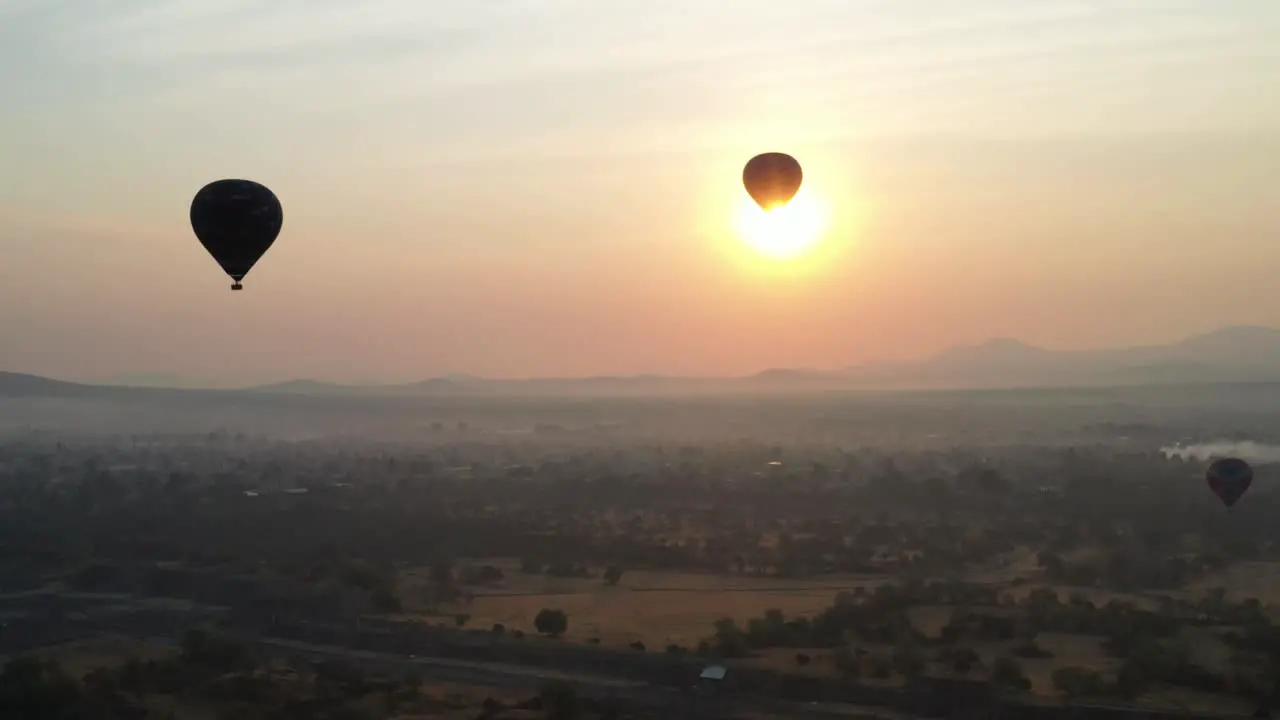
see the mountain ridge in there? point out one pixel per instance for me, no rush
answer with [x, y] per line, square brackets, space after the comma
[1241, 353]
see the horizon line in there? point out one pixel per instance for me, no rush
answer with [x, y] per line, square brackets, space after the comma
[122, 381]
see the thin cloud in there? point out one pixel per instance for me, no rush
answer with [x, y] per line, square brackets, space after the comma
[379, 51]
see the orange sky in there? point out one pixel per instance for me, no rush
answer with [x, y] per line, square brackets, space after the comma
[504, 202]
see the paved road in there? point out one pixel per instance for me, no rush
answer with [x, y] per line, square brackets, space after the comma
[458, 670]
[674, 703]
[520, 678]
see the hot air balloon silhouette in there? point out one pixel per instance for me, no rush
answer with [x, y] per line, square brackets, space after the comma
[1228, 479]
[236, 221]
[772, 179]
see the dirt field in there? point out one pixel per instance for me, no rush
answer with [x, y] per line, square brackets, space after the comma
[663, 608]
[660, 608]
[1259, 580]
[657, 609]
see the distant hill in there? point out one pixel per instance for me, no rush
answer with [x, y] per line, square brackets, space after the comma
[315, 387]
[16, 385]
[1233, 354]
[465, 386]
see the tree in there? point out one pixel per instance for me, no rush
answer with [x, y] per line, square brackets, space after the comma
[991, 482]
[802, 660]
[612, 575]
[460, 620]
[1030, 650]
[32, 688]
[213, 651]
[907, 661]
[1131, 680]
[847, 662]
[364, 576]
[1006, 672]
[442, 571]
[559, 701]
[443, 583]
[1078, 682]
[551, 622]
[1052, 564]
[963, 660]
[480, 575]
[880, 666]
[730, 640]
[385, 601]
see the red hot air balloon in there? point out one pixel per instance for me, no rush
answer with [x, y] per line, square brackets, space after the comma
[1228, 479]
[772, 179]
[236, 221]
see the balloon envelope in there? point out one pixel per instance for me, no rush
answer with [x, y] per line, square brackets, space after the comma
[236, 221]
[772, 179]
[1229, 478]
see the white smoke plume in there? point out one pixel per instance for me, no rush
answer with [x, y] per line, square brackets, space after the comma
[1248, 451]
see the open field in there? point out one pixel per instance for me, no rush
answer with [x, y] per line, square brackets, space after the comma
[655, 608]
[1259, 580]
[660, 608]
[619, 616]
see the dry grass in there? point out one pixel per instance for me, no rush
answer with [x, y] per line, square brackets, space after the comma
[1260, 580]
[1207, 649]
[619, 616]
[930, 619]
[1068, 651]
[1093, 595]
[1022, 563]
[783, 660]
[656, 608]
[1191, 702]
[78, 658]
[660, 608]
[517, 582]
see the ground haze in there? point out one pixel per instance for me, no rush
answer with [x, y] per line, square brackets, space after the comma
[1038, 547]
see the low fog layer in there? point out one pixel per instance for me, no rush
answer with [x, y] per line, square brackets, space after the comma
[1148, 419]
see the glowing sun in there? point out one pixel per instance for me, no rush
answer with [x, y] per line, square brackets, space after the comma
[786, 232]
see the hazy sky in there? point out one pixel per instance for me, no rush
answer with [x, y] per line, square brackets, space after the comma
[525, 187]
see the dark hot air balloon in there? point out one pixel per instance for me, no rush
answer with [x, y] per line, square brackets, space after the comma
[236, 221]
[1229, 478]
[772, 179]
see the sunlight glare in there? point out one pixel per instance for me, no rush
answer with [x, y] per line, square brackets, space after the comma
[786, 232]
